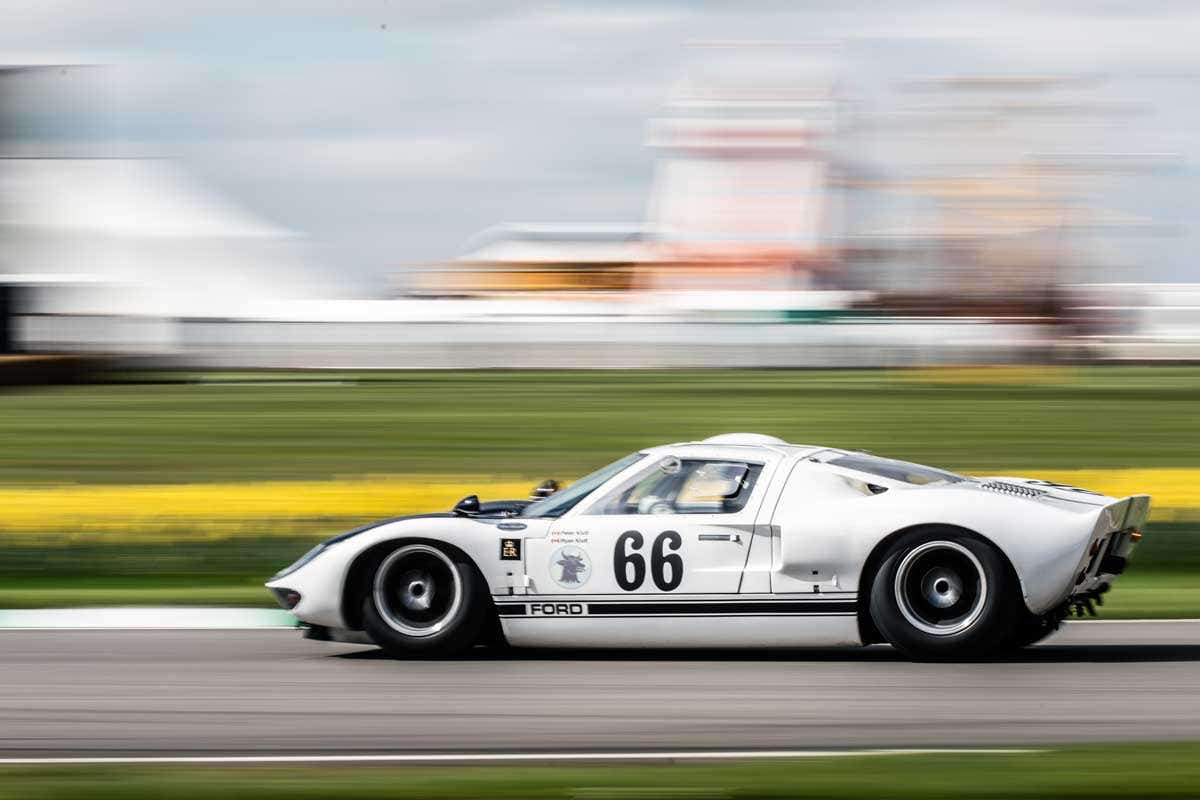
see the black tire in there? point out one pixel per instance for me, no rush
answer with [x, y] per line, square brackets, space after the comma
[944, 595]
[425, 602]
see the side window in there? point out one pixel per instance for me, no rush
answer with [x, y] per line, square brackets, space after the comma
[684, 486]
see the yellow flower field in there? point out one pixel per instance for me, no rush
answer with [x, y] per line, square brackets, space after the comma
[147, 513]
[215, 510]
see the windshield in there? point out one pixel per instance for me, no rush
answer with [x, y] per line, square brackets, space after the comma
[558, 504]
[896, 470]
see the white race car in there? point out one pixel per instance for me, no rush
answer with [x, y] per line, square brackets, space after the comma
[741, 540]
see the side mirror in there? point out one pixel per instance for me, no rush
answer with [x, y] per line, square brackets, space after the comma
[544, 489]
[468, 506]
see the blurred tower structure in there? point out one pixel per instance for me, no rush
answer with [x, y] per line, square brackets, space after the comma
[740, 200]
[741, 195]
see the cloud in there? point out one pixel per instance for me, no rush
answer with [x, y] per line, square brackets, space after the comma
[350, 159]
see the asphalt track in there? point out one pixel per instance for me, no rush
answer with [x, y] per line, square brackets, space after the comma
[263, 692]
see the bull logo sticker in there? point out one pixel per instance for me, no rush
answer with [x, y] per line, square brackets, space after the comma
[570, 567]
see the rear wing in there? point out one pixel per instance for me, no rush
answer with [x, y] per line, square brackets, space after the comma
[1128, 513]
[1117, 530]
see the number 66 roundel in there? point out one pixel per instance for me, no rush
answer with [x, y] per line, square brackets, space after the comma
[629, 565]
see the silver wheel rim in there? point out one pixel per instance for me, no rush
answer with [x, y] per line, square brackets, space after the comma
[940, 588]
[418, 590]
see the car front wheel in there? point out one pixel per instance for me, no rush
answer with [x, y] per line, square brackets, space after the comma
[944, 595]
[424, 602]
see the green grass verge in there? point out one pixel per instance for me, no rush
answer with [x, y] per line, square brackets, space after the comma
[131, 592]
[1155, 595]
[1094, 772]
[220, 572]
[562, 424]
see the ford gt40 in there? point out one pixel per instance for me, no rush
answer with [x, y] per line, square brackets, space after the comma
[740, 540]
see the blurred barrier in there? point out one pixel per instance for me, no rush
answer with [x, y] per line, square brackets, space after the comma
[150, 618]
[598, 339]
[36, 370]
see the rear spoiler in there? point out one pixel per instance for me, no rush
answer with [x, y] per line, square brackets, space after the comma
[1128, 513]
[1117, 530]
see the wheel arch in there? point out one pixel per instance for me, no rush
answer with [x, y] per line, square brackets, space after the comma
[867, 630]
[358, 574]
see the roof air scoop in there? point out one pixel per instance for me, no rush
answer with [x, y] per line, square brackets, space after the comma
[744, 438]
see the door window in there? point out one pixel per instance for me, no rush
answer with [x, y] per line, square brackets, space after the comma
[684, 486]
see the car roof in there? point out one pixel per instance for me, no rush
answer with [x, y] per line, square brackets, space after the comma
[740, 445]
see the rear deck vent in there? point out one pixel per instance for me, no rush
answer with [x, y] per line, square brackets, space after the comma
[1011, 488]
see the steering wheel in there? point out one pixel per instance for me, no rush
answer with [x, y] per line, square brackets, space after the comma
[655, 505]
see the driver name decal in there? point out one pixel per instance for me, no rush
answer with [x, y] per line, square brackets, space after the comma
[568, 537]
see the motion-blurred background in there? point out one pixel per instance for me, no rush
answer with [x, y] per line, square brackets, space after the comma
[267, 273]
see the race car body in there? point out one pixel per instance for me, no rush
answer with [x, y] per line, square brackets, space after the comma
[740, 540]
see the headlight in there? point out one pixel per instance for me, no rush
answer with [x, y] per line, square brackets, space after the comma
[300, 562]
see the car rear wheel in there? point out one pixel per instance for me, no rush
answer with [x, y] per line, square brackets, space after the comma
[944, 595]
[424, 602]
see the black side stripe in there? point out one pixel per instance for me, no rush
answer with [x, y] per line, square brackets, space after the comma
[676, 609]
[696, 608]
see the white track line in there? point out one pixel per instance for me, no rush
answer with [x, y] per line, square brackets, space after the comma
[428, 758]
[131, 628]
[1132, 621]
[145, 617]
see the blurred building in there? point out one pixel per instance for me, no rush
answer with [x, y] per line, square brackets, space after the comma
[741, 198]
[788, 224]
[979, 207]
[111, 255]
[546, 259]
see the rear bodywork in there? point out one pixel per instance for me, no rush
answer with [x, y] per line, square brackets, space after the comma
[1051, 534]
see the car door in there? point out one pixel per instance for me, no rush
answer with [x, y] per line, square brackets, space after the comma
[683, 525]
